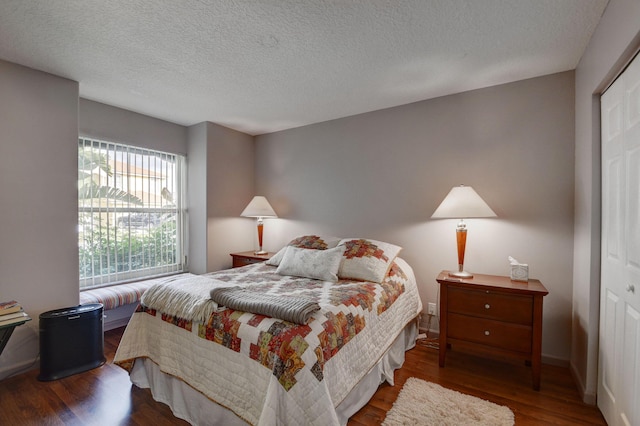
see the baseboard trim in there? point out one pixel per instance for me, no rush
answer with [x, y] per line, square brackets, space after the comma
[19, 368]
[546, 359]
[431, 333]
[558, 362]
[588, 398]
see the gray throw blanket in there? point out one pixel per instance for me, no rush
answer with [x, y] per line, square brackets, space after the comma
[287, 308]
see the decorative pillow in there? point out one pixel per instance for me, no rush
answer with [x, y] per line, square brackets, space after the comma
[306, 241]
[367, 260]
[309, 263]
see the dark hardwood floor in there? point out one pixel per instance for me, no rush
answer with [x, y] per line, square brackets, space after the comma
[104, 396]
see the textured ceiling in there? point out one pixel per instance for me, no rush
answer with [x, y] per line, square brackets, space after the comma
[263, 66]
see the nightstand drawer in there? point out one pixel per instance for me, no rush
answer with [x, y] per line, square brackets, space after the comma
[248, 258]
[244, 261]
[512, 337]
[491, 305]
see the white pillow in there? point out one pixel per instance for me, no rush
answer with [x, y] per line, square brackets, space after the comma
[366, 260]
[309, 263]
[306, 241]
[277, 258]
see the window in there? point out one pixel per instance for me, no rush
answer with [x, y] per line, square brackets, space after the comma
[131, 213]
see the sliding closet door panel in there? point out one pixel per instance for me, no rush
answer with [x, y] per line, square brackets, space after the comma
[629, 397]
[612, 250]
[633, 208]
[629, 392]
[608, 373]
[619, 355]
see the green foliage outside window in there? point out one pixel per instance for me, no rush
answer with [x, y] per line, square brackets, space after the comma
[126, 250]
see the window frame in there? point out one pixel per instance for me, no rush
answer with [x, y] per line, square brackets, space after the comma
[103, 202]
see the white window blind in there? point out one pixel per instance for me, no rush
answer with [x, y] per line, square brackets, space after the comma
[131, 213]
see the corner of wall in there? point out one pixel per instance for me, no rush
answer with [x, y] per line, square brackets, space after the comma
[586, 396]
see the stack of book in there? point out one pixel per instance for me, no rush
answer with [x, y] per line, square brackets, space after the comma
[12, 313]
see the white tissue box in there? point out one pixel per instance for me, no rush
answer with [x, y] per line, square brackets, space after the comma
[520, 272]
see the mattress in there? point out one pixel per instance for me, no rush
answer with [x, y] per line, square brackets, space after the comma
[268, 371]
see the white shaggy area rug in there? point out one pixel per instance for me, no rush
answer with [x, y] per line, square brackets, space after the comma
[425, 403]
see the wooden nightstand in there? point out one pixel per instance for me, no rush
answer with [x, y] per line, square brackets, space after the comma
[248, 257]
[492, 315]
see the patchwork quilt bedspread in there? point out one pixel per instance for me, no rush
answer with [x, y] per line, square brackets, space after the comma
[270, 371]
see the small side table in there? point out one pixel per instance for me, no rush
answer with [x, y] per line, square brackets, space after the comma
[492, 315]
[7, 330]
[248, 257]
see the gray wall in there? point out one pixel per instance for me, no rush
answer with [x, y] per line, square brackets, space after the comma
[39, 208]
[41, 117]
[109, 123]
[613, 44]
[219, 181]
[197, 198]
[221, 184]
[230, 180]
[382, 174]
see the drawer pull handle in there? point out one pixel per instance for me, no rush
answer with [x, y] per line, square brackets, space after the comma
[487, 306]
[631, 288]
[486, 332]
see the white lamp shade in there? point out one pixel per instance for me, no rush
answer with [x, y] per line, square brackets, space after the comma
[259, 207]
[462, 202]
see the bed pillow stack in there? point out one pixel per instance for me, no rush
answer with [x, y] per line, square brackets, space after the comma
[313, 242]
[330, 258]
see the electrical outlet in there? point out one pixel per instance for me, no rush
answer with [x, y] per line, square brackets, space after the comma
[432, 309]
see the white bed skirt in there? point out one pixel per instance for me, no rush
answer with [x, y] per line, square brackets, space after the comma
[192, 406]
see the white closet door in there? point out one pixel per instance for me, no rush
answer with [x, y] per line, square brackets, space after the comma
[619, 354]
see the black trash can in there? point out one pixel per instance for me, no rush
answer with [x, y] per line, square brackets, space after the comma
[71, 341]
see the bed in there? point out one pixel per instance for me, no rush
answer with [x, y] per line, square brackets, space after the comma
[213, 364]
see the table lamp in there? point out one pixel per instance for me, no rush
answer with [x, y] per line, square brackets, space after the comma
[259, 207]
[460, 203]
